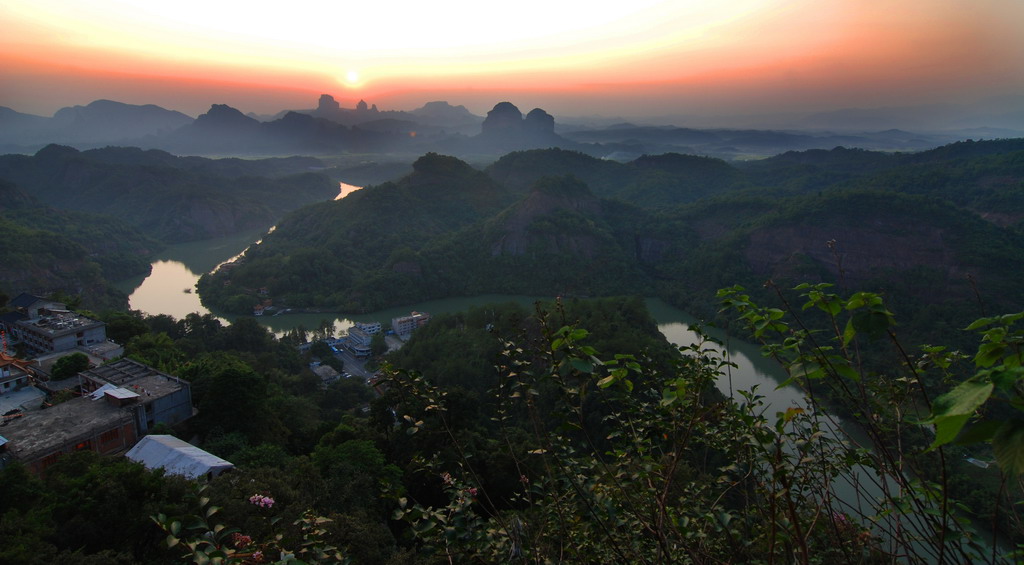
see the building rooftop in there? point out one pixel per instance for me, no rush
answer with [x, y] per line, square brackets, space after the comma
[136, 377]
[61, 322]
[24, 300]
[176, 456]
[28, 398]
[36, 432]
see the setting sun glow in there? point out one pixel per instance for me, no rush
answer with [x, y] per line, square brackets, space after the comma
[656, 56]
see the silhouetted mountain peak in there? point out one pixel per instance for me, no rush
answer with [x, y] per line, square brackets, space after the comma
[55, 151]
[222, 115]
[435, 164]
[539, 121]
[504, 117]
[327, 104]
[442, 109]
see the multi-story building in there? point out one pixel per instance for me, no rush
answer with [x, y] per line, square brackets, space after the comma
[371, 328]
[405, 325]
[44, 326]
[358, 341]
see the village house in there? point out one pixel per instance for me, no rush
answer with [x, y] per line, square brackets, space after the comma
[14, 373]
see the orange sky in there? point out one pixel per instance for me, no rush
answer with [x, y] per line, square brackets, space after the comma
[635, 58]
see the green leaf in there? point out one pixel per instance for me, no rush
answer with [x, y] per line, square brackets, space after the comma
[1008, 446]
[979, 323]
[979, 433]
[848, 333]
[845, 370]
[582, 365]
[947, 429]
[952, 410]
[424, 526]
[989, 353]
[578, 334]
[964, 399]
[874, 324]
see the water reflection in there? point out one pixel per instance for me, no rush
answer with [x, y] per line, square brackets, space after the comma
[345, 189]
[176, 270]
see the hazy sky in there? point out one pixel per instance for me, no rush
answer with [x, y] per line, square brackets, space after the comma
[624, 57]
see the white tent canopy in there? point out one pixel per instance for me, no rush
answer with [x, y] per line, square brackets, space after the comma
[177, 457]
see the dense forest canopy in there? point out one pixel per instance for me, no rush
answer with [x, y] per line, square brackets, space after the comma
[556, 222]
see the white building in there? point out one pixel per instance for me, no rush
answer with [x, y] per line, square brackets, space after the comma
[177, 457]
[371, 328]
[405, 325]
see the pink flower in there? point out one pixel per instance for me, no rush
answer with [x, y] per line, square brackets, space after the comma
[257, 556]
[471, 491]
[261, 501]
[241, 540]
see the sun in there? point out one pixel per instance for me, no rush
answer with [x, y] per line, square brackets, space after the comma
[352, 77]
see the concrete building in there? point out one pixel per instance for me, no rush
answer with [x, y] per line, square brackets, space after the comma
[121, 402]
[358, 341]
[38, 438]
[43, 326]
[162, 398]
[405, 325]
[371, 328]
[60, 330]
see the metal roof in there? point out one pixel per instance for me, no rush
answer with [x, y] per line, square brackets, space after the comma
[177, 457]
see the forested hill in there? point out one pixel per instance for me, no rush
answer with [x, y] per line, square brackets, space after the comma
[170, 198]
[45, 250]
[555, 222]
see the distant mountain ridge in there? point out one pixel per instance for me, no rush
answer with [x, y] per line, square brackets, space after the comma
[439, 127]
[99, 122]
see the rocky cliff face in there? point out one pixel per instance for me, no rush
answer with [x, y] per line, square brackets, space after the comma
[567, 200]
[850, 253]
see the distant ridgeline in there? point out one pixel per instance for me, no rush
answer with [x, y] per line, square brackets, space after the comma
[437, 126]
[939, 231]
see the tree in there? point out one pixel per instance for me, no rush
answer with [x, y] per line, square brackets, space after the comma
[378, 344]
[233, 398]
[673, 473]
[69, 365]
[122, 326]
[156, 350]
